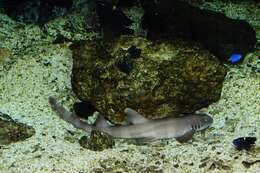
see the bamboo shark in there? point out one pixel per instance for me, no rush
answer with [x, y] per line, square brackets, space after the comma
[140, 128]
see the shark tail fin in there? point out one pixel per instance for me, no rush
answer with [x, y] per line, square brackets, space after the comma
[69, 116]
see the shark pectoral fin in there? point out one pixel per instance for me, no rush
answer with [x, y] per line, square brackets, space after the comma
[101, 121]
[134, 117]
[187, 136]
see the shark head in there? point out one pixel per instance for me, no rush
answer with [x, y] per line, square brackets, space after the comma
[200, 121]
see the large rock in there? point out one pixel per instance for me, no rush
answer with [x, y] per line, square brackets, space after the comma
[12, 131]
[168, 78]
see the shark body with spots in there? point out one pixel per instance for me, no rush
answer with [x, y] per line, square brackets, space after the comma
[141, 128]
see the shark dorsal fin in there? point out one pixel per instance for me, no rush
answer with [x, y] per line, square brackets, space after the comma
[101, 121]
[186, 136]
[134, 117]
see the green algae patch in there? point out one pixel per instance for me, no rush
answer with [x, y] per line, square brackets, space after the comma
[4, 54]
[167, 79]
[72, 27]
[12, 131]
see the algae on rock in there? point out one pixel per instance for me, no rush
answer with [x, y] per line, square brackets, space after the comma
[167, 79]
[97, 141]
[12, 131]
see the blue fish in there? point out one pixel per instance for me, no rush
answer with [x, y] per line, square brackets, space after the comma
[244, 143]
[84, 109]
[125, 66]
[134, 52]
[235, 57]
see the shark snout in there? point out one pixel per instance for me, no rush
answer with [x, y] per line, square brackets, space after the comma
[203, 121]
[207, 120]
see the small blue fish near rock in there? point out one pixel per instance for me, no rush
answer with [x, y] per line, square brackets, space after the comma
[134, 52]
[244, 143]
[127, 63]
[235, 58]
[125, 66]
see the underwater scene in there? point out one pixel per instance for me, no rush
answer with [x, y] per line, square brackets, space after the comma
[129, 86]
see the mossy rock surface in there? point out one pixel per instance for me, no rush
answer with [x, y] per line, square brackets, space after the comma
[167, 79]
[12, 131]
[98, 141]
